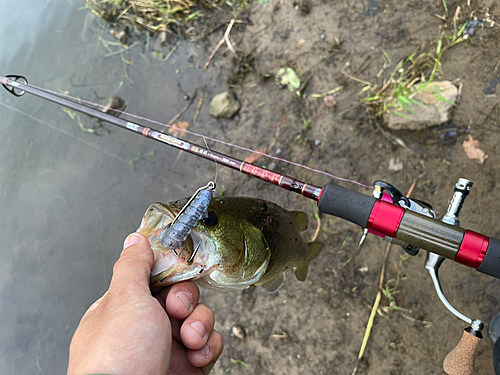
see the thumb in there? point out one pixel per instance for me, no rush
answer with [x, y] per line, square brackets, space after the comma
[133, 269]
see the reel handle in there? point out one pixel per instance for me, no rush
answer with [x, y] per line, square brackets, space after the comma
[460, 361]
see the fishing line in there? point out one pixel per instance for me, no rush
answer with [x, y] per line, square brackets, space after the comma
[216, 166]
[79, 100]
[65, 132]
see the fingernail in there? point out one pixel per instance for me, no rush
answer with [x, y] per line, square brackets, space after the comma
[200, 328]
[205, 351]
[186, 298]
[132, 239]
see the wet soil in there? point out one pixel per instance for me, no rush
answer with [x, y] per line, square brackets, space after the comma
[80, 201]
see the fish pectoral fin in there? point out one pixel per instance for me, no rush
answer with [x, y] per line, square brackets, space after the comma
[314, 249]
[273, 285]
[301, 220]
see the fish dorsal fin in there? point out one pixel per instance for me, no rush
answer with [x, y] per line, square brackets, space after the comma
[301, 220]
[314, 249]
[273, 285]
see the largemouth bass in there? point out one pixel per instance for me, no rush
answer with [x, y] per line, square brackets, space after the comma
[241, 242]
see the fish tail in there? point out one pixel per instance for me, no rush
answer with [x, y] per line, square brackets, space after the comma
[314, 249]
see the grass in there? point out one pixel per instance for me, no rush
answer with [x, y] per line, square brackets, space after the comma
[76, 117]
[239, 362]
[411, 75]
[152, 15]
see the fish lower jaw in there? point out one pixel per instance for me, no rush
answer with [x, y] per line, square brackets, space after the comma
[179, 272]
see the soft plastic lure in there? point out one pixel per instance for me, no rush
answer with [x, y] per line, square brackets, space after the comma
[176, 232]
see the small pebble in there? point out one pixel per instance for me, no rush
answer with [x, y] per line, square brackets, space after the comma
[395, 165]
[323, 36]
[185, 97]
[317, 142]
[281, 86]
[239, 332]
[279, 151]
[330, 101]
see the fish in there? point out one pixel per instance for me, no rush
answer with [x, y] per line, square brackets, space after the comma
[239, 243]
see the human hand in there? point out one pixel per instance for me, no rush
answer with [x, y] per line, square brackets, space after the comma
[132, 331]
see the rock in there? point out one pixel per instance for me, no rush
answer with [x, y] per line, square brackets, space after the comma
[395, 165]
[112, 103]
[239, 332]
[330, 101]
[120, 32]
[436, 109]
[224, 105]
[160, 41]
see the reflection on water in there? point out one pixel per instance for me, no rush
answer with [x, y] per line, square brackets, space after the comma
[25, 23]
[70, 197]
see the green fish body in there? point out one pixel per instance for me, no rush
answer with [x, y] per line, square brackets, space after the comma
[247, 242]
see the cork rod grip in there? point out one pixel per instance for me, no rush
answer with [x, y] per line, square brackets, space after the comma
[460, 361]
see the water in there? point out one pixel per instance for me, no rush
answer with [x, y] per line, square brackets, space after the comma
[69, 198]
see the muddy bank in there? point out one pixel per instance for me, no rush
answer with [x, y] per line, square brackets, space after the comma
[317, 326]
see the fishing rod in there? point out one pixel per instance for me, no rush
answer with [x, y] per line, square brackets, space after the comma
[18, 85]
[410, 223]
[400, 218]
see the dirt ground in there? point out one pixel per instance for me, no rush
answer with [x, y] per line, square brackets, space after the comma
[316, 327]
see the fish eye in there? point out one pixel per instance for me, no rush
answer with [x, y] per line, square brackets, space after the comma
[211, 219]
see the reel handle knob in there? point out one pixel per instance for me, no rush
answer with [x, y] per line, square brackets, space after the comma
[460, 361]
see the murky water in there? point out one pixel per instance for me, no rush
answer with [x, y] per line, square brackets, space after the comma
[69, 198]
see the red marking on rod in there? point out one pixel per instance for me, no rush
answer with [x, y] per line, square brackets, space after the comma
[145, 131]
[385, 218]
[321, 192]
[5, 80]
[261, 173]
[473, 249]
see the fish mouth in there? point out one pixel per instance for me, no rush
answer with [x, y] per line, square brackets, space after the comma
[191, 261]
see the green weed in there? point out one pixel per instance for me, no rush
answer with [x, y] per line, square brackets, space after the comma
[445, 6]
[239, 361]
[134, 160]
[306, 123]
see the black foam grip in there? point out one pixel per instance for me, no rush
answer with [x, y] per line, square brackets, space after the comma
[347, 204]
[491, 262]
[496, 357]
